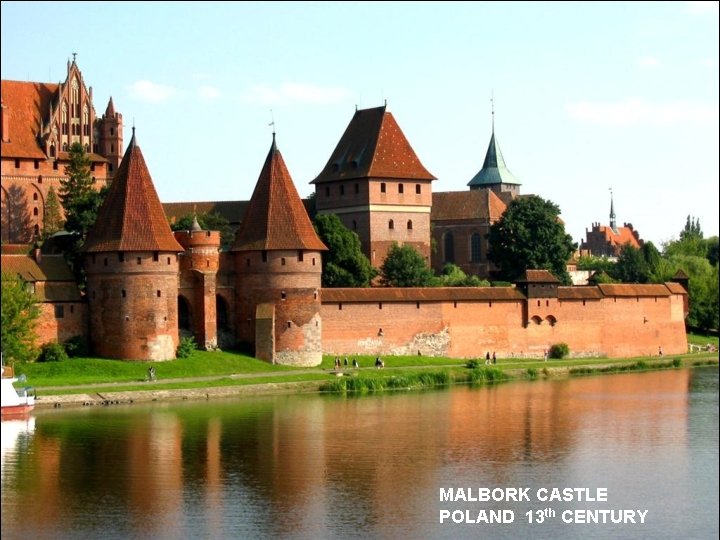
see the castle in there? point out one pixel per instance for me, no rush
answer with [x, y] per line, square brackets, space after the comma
[147, 285]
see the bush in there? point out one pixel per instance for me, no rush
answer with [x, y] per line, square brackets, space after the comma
[77, 346]
[52, 352]
[472, 364]
[186, 347]
[559, 350]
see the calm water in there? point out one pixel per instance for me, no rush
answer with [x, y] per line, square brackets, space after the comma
[372, 467]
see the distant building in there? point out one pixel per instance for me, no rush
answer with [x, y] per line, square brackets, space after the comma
[607, 241]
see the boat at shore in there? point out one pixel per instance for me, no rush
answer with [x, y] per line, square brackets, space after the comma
[14, 403]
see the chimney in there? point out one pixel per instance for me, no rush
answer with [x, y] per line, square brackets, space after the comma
[5, 122]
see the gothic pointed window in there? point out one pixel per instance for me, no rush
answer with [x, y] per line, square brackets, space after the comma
[475, 248]
[449, 247]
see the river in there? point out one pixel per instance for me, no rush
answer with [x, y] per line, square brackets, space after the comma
[642, 447]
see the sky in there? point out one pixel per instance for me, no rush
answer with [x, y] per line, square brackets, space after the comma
[588, 97]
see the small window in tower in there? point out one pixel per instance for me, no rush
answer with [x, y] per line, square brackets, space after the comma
[289, 324]
[282, 261]
[35, 196]
[139, 260]
[168, 260]
[538, 303]
[35, 212]
[156, 256]
[124, 293]
[391, 224]
[409, 224]
[17, 163]
[112, 131]
[315, 295]
[283, 295]
[55, 165]
[121, 257]
[59, 312]
[340, 306]
[382, 187]
[36, 164]
[105, 261]
[159, 294]
[379, 305]
[357, 189]
[418, 189]
[301, 255]
[417, 305]
[264, 256]
[313, 261]
[401, 188]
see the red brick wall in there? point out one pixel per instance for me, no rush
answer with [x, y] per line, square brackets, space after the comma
[73, 323]
[142, 323]
[613, 327]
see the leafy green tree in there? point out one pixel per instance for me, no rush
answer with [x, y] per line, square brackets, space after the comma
[703, 293]
[453, 276]
[712, 249]
[20, 313]
[209, 221]
[405, 267]
[81, 201]
[530, 236]
[53, 218]
[596, 264]
[344, 265]
[631, 266]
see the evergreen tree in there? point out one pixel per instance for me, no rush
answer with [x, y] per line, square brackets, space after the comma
[81, 201]
[20, 313]
[530, 236]
[405, 267]
[344, 264]
[53, 218]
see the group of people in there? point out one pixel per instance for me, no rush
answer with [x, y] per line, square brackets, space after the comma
[487, 358]
[338, 364]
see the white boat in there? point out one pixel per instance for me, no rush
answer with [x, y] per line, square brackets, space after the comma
[15, 403]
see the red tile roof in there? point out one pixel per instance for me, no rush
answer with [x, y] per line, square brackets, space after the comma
[579, 293]
[623, 236]
[675, 288]
[131, 217]
[476, 204]
[50, 267]
[25, 103]
[417, 294]
[634, 289]
[537, 276]
[275, 217]
[373, 146]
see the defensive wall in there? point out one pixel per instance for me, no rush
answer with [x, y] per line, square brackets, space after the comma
[619, 320]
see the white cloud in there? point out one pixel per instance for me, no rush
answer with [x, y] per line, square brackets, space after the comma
[151, 92]
[295, 93]
[648, 61]
[639, 112]
[700, 7]
[208, 93]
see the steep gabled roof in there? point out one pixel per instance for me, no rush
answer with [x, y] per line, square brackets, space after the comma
[25, 103]
[131, 217]
[373, 146]
[494, 171]
[275, 217]
[620, 236]
[476, 204]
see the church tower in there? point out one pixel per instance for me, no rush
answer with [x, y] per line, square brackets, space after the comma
[375, 183]
[111, 137]
[131, 260]
[278, 267]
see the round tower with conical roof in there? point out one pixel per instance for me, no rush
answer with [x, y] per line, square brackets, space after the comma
[131, 261]
[278, 267]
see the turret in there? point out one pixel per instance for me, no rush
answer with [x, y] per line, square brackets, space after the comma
[278, 268]
[131, 261]
[111, 137]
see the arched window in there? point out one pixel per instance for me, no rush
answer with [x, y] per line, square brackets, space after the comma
[449, 247]
[35, 196]
[35, 212]
[391, 224]
[409, 224]
[52, 150]
[475, 248]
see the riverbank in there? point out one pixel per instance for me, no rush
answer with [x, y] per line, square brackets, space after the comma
[319, 380]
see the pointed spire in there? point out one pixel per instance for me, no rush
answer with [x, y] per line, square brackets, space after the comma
[195, 227]
[131, 218]
[613, 224]
[494, 171]
[276, 218]
[110, 111]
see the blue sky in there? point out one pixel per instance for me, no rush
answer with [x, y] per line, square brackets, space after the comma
[588, 96]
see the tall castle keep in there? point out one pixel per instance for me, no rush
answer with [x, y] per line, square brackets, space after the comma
[148, 287]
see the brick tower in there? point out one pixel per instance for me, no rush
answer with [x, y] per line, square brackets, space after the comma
[278, 266]
[131, 260]
[111, 137]
[198, 283]
[375, 183]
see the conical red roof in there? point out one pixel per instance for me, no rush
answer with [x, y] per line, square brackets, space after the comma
[131, 217]
[276, 217]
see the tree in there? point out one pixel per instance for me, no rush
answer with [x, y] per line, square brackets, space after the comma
[405, 267]
[344, 265]
[453, 276]
[690, 243]
[53, 219]
[16, 222]
[530, 236]
[209, 221]
[78, 195]
[631, 266]
[20, 313]
[703, 293]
